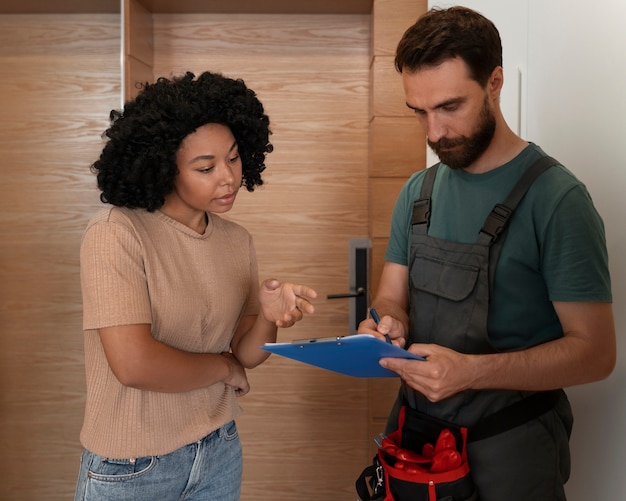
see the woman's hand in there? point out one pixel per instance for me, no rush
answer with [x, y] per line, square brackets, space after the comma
[284, 304]
[237, 375]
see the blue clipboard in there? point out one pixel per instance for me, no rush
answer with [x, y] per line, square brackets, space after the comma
[355, 355]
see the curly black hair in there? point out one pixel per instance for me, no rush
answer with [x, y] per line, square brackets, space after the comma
[137, 166]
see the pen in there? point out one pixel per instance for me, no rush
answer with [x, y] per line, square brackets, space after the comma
[376, 318]
[374, 315]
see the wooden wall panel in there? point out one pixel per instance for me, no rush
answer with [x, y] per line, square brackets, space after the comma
[62, 79]
[379, 247]
[397, 149]
[136, 73]
[60, 7]
[390, 19]
[303, 429]
[138, 32]
[260, 6]
[138, 47]
[195, 6]
[382, 394]
[383, 192]
[387, 92]
[313, 74]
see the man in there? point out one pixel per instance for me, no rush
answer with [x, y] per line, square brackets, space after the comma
[499, 312]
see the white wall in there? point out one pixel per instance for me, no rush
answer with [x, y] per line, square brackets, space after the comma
[573, 99]
[577, 112]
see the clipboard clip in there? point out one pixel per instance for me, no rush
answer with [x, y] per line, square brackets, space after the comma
[316, 339]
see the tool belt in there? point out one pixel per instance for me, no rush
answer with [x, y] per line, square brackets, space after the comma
[425, 459]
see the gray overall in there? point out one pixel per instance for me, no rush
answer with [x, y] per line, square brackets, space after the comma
[449, 285]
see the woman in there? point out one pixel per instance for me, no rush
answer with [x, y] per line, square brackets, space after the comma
[173, 311]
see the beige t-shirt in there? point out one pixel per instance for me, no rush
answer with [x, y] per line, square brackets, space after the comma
[141, 267]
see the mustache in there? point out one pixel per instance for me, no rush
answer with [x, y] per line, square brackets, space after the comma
[445, 142]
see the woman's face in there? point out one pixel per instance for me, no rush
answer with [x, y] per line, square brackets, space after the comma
[209, 174]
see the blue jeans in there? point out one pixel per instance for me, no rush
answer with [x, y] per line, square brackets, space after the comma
[209, 469]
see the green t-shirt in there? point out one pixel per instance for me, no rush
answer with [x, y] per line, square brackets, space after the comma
[554, 250]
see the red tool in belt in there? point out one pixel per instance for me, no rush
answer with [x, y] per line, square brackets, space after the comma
[438, 458]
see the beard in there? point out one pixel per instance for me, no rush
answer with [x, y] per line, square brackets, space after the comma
[461, 152]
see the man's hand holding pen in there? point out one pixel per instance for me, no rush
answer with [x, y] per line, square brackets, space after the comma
[376, 319]
[386, 328]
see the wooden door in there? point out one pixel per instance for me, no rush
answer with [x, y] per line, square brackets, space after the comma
[60, 79]
[304, 430]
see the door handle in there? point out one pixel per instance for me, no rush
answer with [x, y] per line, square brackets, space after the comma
[359, 258]
[357, 293]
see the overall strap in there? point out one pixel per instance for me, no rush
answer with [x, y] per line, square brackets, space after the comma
[498, 219]
[500, 215]
[421, 207]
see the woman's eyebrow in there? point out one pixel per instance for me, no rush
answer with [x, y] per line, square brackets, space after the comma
[211, 157]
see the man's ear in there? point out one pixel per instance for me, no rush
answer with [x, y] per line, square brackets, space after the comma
[495, 83]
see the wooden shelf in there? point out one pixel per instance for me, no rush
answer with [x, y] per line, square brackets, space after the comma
[191, 6]
[260, 6]
[60, 7]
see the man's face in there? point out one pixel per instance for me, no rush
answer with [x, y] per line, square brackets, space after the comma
[454, 110]
[462, 151]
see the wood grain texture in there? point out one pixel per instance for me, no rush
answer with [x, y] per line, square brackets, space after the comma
[51, 118]
[382, 394]
[387, 92]
[261, 7]
[138, 32]
[196, 6]
[138, 50]
[59, 7]
[397, 147]
[383, 192]
[136, 74]
[379, 247]
[390, 19]
[303, 429]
